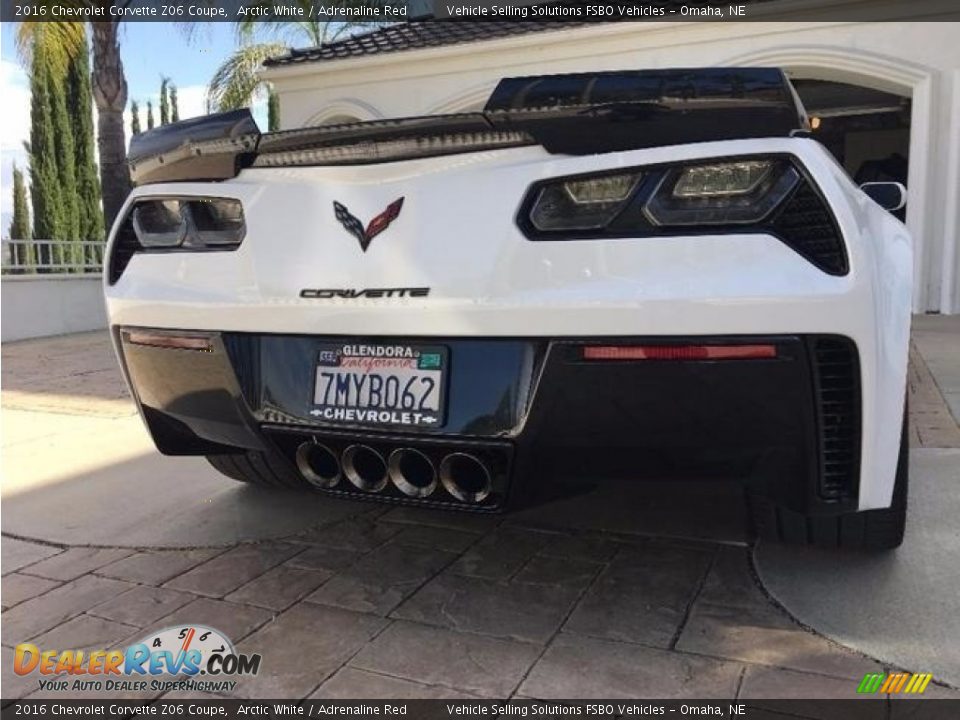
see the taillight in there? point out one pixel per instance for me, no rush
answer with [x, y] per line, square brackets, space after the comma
[188, 222]
[159, 223]
[678, 352]
[770, 194]
[738, 192]
[582, 204]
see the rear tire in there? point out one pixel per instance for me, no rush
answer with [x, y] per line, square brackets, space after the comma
[266, 469]
[867, 530]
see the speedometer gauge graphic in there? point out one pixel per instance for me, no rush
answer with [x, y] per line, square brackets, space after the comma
[182, 639]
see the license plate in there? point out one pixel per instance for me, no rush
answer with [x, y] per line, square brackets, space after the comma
[380, 384]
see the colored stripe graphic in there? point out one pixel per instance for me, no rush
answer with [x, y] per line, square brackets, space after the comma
[890, 682]
[894, 683]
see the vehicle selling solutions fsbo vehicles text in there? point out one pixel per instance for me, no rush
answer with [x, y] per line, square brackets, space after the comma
[591, 11]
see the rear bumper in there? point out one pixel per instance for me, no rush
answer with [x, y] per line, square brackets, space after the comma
[539, 413]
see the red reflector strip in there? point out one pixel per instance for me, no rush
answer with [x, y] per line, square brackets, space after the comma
[679, 352]
[180, 342]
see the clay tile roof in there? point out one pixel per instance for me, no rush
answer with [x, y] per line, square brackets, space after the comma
[414, 36]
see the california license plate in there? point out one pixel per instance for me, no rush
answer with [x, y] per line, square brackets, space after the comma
[380, 384]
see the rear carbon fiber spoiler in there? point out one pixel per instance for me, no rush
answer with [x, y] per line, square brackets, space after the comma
[212, 147]
[609, 111]
[574, 114]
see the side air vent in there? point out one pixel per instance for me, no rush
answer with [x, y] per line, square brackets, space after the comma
[837, 386]
[806, 225]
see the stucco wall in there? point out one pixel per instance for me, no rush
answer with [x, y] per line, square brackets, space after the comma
[920, 60]
[42, 305]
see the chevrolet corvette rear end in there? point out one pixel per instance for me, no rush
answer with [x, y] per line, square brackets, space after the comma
[610, 275]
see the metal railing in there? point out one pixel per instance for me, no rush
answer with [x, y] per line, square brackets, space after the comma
[23, 257]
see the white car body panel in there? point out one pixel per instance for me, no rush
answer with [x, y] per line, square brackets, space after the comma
[458, 235]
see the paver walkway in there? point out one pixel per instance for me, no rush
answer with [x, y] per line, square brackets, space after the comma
[371, 601]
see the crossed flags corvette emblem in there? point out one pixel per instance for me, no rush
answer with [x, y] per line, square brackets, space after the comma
[373, 228]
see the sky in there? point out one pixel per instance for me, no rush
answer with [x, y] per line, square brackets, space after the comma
[149, 50]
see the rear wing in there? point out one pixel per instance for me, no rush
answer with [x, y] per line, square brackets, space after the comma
[608, 111]
[574, 114]
[212, 147]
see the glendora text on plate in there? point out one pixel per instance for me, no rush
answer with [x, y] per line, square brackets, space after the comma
[380, 384]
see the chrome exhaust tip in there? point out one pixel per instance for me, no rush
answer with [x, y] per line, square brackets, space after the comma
[412, 472]
[318, 464]
[465, 477]
[365, 468]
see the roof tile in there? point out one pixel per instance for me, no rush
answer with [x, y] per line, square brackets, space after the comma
[417, 35]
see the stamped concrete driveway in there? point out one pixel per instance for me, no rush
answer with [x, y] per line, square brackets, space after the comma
[901, 607]
[589, 596]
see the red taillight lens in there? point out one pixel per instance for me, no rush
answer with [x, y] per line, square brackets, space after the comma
[679, 352]
[179, 342]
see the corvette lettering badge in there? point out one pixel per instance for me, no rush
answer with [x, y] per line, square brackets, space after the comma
[374, 228]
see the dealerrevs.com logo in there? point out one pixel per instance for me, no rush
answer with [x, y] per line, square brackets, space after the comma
[186, 657]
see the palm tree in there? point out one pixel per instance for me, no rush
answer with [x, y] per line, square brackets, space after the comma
[236, 83]
[109, 89]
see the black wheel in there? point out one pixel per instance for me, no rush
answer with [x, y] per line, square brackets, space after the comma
[266, 469]
[867, 530]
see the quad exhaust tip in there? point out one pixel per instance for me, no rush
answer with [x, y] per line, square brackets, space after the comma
[465, 477]
[318, 464]
[412, 472]
[365, 468]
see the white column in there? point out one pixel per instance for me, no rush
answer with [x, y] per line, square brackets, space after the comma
[950, 266]
[923, 135]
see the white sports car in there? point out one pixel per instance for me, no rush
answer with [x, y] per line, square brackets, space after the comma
[602, 275]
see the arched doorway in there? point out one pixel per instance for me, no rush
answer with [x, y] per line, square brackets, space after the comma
[867, 130]
[344, 110]
[878, 76]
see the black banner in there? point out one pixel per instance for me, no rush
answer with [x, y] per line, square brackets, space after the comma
[866, 708]
[203, 11]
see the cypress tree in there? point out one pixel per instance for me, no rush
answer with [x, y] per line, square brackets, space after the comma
[149, 115]
[80, 102]
[134, 118]
[45, 195]
[273, 112]
[164, 103]
[20, 224]
[174, 110]
[66, 160]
